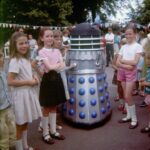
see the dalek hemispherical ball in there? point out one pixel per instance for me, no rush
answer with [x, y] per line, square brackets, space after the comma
[89, 101]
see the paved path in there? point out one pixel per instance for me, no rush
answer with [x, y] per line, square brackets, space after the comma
[110, 136]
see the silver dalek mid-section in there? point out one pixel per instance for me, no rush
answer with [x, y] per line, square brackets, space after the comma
[89, 101]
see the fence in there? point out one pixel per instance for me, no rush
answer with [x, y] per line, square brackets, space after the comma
[6, 51]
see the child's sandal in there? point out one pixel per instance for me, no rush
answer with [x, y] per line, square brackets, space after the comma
[124, 120]
[142, 94]
[58, 127]
[116, 99]
[57, 136]
[47, 139]
[134, 92]
[120, 107]
[145, 130]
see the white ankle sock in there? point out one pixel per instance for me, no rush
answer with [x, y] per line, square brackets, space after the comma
[45, 125]
[24, 139]
[19, 145]
[52, 121]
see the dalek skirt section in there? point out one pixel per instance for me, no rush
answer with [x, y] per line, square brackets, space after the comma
[89, 101]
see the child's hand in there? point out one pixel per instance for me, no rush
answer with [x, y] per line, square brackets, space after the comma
[36, 78]
[60, 66]
[32, 82]
[34, 63]
[129, 67]
[143, 83]
[121, 61]
[142, 79]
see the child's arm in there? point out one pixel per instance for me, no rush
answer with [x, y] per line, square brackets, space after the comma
[114, 62]
[12, 81]
[35, 67]
[145, 83]
[49, 66]
[120, 64]
[132, 62]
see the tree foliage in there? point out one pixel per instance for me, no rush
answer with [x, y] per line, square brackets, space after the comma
[55, 12]
[39, 12]
[142, 13]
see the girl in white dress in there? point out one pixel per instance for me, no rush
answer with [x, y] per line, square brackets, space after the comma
[23, 91]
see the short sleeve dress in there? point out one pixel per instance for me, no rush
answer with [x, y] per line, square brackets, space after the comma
[25, 98]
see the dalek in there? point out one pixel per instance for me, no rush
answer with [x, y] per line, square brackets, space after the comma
[89, 101]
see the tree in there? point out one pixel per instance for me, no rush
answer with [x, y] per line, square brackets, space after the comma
[45, 12]
[142, 13]
[100, 7]
[56, 12]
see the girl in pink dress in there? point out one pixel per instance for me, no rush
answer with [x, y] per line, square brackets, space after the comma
[51, 89]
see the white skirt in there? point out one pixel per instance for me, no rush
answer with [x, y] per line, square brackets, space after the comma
[26, 104]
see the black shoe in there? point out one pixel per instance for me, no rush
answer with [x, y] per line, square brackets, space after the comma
[124, 120]
[143, 104]
[57, 136]
[145, 130]
[133, 126]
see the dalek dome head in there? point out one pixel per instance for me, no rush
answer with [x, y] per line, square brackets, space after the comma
[85, 30]
[85, 37]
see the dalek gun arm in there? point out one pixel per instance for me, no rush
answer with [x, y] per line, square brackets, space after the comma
[64, 78]
[98, 61]
[72, 65]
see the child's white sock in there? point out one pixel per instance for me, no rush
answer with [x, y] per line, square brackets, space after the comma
[128, 111]
[24, 139]
[45, 125]
[121, 101]
[19, 145]
[128, 116]
[133, 115]
[52, 121]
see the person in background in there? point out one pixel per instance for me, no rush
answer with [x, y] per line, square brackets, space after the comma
[109, 37]
[33, 46]
[117, 41]
[22, 82]
[139, 90]
[66, 38]
[7, 117]
[145, 44]
[20, 29]
[146, 83]
[120, 95]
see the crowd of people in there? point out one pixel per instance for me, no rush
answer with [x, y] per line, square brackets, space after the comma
[34, 84]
